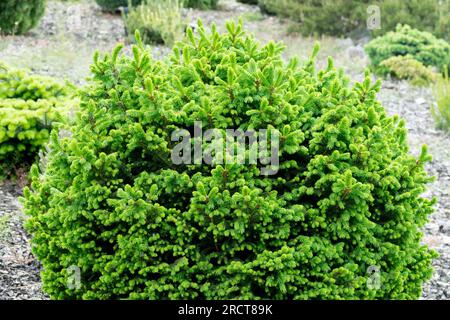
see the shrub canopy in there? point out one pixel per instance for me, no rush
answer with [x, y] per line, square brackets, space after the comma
[406, 41]
[345, 201]
[29, 105]
[17, 17]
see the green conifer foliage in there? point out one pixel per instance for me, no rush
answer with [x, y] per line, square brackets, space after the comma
[406, 41]
[29, 105]
[345, 201]
[17, 17]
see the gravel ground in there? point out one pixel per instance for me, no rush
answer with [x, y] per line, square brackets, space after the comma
[19, 271]
[62, 46]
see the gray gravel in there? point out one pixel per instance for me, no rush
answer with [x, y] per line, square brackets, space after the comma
[19, 271]
[81, 28]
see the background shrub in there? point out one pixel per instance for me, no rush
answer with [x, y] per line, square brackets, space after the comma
[343, 18]
[201, 4]
[426, 15]
[29, 105]
[441, 112]
[249, 1]
[422, 46]
[157, 21]
[17, 17]
[346, 197]
[112, 5]
[407, 68]
[338, 17]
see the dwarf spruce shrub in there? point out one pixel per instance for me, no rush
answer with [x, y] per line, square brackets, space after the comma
[339, 220]
[29, 105]
[406, 41]
[17, 17]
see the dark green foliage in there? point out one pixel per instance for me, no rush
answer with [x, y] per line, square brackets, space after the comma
[17, 17]
[426, 15]
[330, 17]
[112, 5]
[29, 105]
[343, 17]
[249, 1]
[201, 4]
[346, 199]
[422, 46]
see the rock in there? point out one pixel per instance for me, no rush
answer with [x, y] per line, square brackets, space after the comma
[356, 52]
[446, 240]
[420, 100]
[444, 227]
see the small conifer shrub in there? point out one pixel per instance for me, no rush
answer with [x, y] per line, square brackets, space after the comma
[29, 106]
[407, 68]
[420, 45]
[344, 204]
[17, 17]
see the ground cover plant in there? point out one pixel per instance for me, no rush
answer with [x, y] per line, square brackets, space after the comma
[345, 202]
